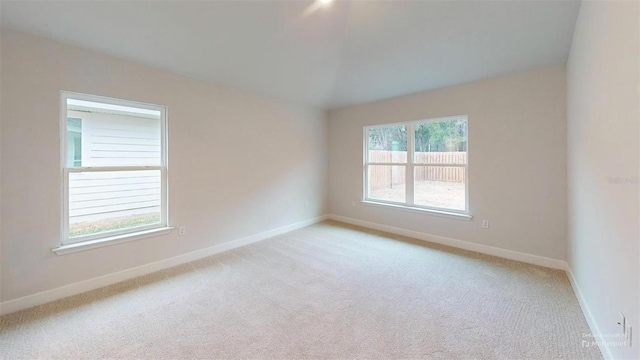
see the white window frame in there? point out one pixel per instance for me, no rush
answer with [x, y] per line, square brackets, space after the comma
[410, 165]
[95, 240]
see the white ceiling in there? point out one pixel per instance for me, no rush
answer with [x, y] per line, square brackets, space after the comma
[325, 56]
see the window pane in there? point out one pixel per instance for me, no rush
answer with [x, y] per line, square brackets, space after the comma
[441, 142]
[388, 144]
[387, 182]
[440, 186]
[113, 200]
[109, 135]
[74, 142]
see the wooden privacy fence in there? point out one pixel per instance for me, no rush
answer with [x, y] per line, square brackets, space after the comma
[384, 177]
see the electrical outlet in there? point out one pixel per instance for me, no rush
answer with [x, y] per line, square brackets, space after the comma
[353, 203]
[485, 224]
[182, 230]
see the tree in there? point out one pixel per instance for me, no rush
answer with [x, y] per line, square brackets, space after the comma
[441, 136]
[448, 135]
[423, 136]
[388, 138]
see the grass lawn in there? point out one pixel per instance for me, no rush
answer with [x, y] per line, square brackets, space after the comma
[443, 194]
[93, 227]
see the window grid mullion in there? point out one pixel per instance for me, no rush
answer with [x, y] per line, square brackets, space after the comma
[409, 188]
[112, 168]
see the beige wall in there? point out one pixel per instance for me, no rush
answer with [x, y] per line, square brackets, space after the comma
[238, 164]
[603, 164]
[517, 160]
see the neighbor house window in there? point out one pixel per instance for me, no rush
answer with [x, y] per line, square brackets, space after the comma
[114, 166]
[420, 164]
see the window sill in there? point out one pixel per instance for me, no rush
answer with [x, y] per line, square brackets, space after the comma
[451, 215]
[98, 243]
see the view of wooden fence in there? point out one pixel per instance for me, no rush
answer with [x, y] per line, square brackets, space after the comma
[384, 177]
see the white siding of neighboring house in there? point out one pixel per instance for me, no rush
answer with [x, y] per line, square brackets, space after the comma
[115, 140]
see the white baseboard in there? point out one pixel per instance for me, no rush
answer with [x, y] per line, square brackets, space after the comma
[466, 245]
[43, 297]
[591, 321]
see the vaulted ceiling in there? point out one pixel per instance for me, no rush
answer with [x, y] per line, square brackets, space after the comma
[330, 56]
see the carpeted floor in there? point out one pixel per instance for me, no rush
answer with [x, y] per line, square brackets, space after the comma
[325, 291]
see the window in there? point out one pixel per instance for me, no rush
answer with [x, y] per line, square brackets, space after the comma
[421, 164]
[114, 166]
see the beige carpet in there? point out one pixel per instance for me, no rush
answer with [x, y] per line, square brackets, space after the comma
[326, 291]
